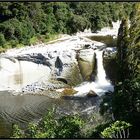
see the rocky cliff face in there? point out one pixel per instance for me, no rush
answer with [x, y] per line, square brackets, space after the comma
[86, 61]
[32, 68]
[68, 62]
[110, 64]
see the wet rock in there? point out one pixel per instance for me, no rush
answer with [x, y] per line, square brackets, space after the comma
[62, 80]
[33, 88]
[68, 91]
[86, 61]
[43, 86]
[62, 63]
[10, 58]
[108, 93]
[36, 58]
[92, 94]
[59, 65]
[110, 66]
[110, 51]
[72, 74]
[87, 46]
[51, 94]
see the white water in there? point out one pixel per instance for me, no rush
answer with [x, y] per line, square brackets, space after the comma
[101, 84]
[101, 75]
[13, 76]
[104, 31]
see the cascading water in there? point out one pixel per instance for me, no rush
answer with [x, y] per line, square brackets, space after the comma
[101, 84]
[101, 75]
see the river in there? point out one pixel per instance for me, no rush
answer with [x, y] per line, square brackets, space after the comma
[22, 109]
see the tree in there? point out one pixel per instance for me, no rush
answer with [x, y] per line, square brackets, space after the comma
[49, 126]
[77, 23]
[69, 127]
[118, 129]
[122, 45]
[5, 13]
[2, 39]
[134, 45]
[125, 99]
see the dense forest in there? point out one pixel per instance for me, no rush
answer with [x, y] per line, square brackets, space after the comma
[27, 22]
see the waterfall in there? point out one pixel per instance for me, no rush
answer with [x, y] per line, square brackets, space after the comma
[101, 84]
[101, 75]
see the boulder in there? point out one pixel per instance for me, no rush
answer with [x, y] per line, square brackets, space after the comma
[36, 58]
[68, 91]
[62, 80]
[72, 74]
[87, 46]
[92, 94]
[110, 52]
[86, 61]
[110, 66]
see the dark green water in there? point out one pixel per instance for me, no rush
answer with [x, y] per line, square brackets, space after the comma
[108, 40]
[22, 109]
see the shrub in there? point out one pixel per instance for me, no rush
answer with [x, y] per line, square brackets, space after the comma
[2, 39]
[49, 127]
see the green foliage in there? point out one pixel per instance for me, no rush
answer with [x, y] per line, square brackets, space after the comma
[21, 21]
[126, 95]
[2, 39]
[134, 45]
[17, 133]
[127, 98]
[5, 13]
[124, 104]
[77, 23]
[33, 40]
[96, 132]
[105, 106]
[51, 127]
[122, 47]
[114, 128]
[31, 131]
[69, 127]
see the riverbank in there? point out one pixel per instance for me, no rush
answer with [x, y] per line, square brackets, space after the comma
[42, 58]
[112, 31]
[31, 106]
[65, 47]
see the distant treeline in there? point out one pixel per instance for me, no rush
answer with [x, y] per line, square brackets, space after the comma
[23, 22]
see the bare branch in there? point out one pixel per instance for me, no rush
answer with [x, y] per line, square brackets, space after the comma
[120, 134]
[128, 133]
[124, 133]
